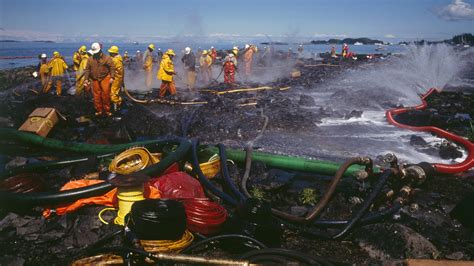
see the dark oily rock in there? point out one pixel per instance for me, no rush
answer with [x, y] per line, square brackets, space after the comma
[306, 100]
[462, 117]
[298, 210]
[449, 151]
[353, 113]
[16, 162]
[456, 256]
[12, 260]
[394, 241]
[276, 179]
[463, 211]
[417, 141]
[6, 122]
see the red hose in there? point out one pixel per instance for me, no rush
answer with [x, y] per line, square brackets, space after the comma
[203, 215]
[442, 168]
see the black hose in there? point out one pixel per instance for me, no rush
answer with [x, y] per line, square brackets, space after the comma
[46, 166]
[248, 166]
[12, 200]
[282, 256]
[369, 219]
[259, 244]
[356, 218]
[216, 191]
[157, 219]
[225, 172]
[385, 176]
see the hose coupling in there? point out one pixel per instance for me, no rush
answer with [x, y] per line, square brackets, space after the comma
[415, 173]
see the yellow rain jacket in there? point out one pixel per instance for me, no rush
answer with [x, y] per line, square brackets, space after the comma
[148, 62]
[205, 61]
[166, 70]
[57, 66]
[118, 61]
[44, 71]
[76, 58]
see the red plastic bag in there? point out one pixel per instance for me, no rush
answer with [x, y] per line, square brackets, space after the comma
[178, 185]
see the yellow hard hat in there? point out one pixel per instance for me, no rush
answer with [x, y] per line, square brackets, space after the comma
[151, 46]
[170, 52]
[204, 52]
[113, 49]
[56, 53]
[83, 48]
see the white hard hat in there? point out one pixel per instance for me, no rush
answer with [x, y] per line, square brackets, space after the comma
[235, 48]
[212, 47]
[43, 56]
[138, 51]
[95, 48]
[247, 46]
[187, 50]
[231, 55]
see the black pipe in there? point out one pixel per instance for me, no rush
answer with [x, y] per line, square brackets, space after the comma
[12, 200]
[225, 172]
[220, 237]
[216, 191]
[384, 177]
[356, 218]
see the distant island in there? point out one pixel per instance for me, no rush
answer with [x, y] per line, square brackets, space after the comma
[462, 39]
[26, 41]
[348, 41]
[274, 43]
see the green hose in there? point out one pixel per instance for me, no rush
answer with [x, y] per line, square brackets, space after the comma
[9, 134]
[288, 162]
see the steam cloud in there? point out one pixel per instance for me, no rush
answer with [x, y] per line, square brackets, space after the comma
[457, 10]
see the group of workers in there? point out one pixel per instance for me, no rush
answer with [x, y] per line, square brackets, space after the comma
[103, 75]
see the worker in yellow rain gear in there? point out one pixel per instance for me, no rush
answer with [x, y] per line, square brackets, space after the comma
[80, 76]
[76, 59]
[118, 81]
[57, 67]
[44, 71]
[148, 64]
[165, 74]
[205, 63]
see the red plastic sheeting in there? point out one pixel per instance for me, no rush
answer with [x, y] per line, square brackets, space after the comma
[178, 185]
[442, 168]
[203, 215]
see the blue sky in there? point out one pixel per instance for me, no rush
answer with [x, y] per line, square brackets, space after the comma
[321, 19]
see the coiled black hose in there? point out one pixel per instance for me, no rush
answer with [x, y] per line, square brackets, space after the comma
[13, 200]
[215, 190]
[157, 219]
[225, 172]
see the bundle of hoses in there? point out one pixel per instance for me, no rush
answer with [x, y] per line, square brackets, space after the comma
[204, 216]
[8, 199]
[160, 225]
[133, 160]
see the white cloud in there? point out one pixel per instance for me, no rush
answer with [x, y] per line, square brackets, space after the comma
[28, 35]
[330, 35]
[389, 36]
[457, 10]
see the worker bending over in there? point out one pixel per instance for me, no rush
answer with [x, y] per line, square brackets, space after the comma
[57, 67]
